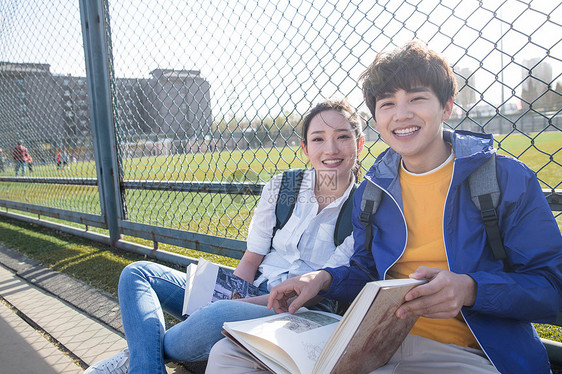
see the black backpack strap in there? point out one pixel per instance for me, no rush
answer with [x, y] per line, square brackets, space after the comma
[485, 194]
[288, 195]
[344, 227]
[370, 201]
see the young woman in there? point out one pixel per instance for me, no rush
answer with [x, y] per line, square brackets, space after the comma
[332, 138]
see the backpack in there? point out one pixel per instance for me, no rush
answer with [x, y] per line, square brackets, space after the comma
[287, 199]
[484, 193]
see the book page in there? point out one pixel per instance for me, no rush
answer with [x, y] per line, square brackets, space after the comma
[202, 287]
[301, 337]
[189, 276]
[348, 326]
[268, 354]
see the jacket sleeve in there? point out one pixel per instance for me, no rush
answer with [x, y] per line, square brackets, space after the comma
[530, 286]
[347, 281]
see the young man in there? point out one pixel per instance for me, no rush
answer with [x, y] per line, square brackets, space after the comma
[475, 311]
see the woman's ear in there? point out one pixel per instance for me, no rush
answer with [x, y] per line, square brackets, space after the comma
[304, 150]
[360, 144]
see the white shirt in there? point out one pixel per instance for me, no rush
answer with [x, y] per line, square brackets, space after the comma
[305, 243]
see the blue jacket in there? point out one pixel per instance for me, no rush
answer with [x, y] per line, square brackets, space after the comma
[507, 301]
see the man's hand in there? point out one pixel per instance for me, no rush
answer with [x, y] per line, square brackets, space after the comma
[305, 287]
[442, 297]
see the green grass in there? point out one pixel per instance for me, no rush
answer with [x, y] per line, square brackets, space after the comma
[94, 263]
[226, 215]
[540, 152]
[83, 259]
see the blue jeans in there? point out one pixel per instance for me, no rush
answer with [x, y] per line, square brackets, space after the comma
[20, 165]
[147, 288]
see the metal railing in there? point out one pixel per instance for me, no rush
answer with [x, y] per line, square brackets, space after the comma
[162, 121]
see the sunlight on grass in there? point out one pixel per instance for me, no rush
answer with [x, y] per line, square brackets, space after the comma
[88, 261]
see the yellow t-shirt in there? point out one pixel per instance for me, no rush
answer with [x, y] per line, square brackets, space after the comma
[423, 196]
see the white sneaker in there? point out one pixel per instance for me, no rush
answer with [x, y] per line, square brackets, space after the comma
[118, 364]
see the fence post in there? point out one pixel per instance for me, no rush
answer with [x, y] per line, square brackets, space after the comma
[95, 31]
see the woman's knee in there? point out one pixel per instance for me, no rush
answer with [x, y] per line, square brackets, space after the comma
[192, 339]
[133, 272]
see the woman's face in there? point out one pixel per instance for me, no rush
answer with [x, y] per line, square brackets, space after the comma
[332, 146]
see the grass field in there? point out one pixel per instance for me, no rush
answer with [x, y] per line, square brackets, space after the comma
[541, 152]
[228, 215]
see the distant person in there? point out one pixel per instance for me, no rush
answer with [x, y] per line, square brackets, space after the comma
[20, 154]
[333, 137]
[64, 159]
[29, 163]
[58, 160]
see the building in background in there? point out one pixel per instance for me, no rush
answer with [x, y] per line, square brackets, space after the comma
[178, 102]
[52, 111]
[30, 106]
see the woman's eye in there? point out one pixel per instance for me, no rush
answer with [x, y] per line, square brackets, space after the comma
[316, 139]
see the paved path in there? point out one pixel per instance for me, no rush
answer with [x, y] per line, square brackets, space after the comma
[52, 323]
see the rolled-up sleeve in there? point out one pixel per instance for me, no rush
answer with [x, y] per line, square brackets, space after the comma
[261, 227]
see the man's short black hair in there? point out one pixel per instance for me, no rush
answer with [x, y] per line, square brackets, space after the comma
[404, 68]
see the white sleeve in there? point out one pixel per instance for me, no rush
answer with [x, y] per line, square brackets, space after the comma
[342, 254]
[263, 221]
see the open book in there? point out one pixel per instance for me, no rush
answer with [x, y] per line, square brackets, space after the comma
[208, 282]
[317, 342]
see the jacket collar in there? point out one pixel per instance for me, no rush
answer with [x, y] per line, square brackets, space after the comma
[471, 149]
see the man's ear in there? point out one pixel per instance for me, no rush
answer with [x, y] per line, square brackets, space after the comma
[447, 109]
[304, 150]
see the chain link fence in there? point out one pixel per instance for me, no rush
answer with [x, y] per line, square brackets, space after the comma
[206, 97]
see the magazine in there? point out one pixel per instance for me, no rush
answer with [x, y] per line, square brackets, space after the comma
[208, 282]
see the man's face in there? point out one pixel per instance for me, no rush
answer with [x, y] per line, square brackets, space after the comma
[411, 123]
